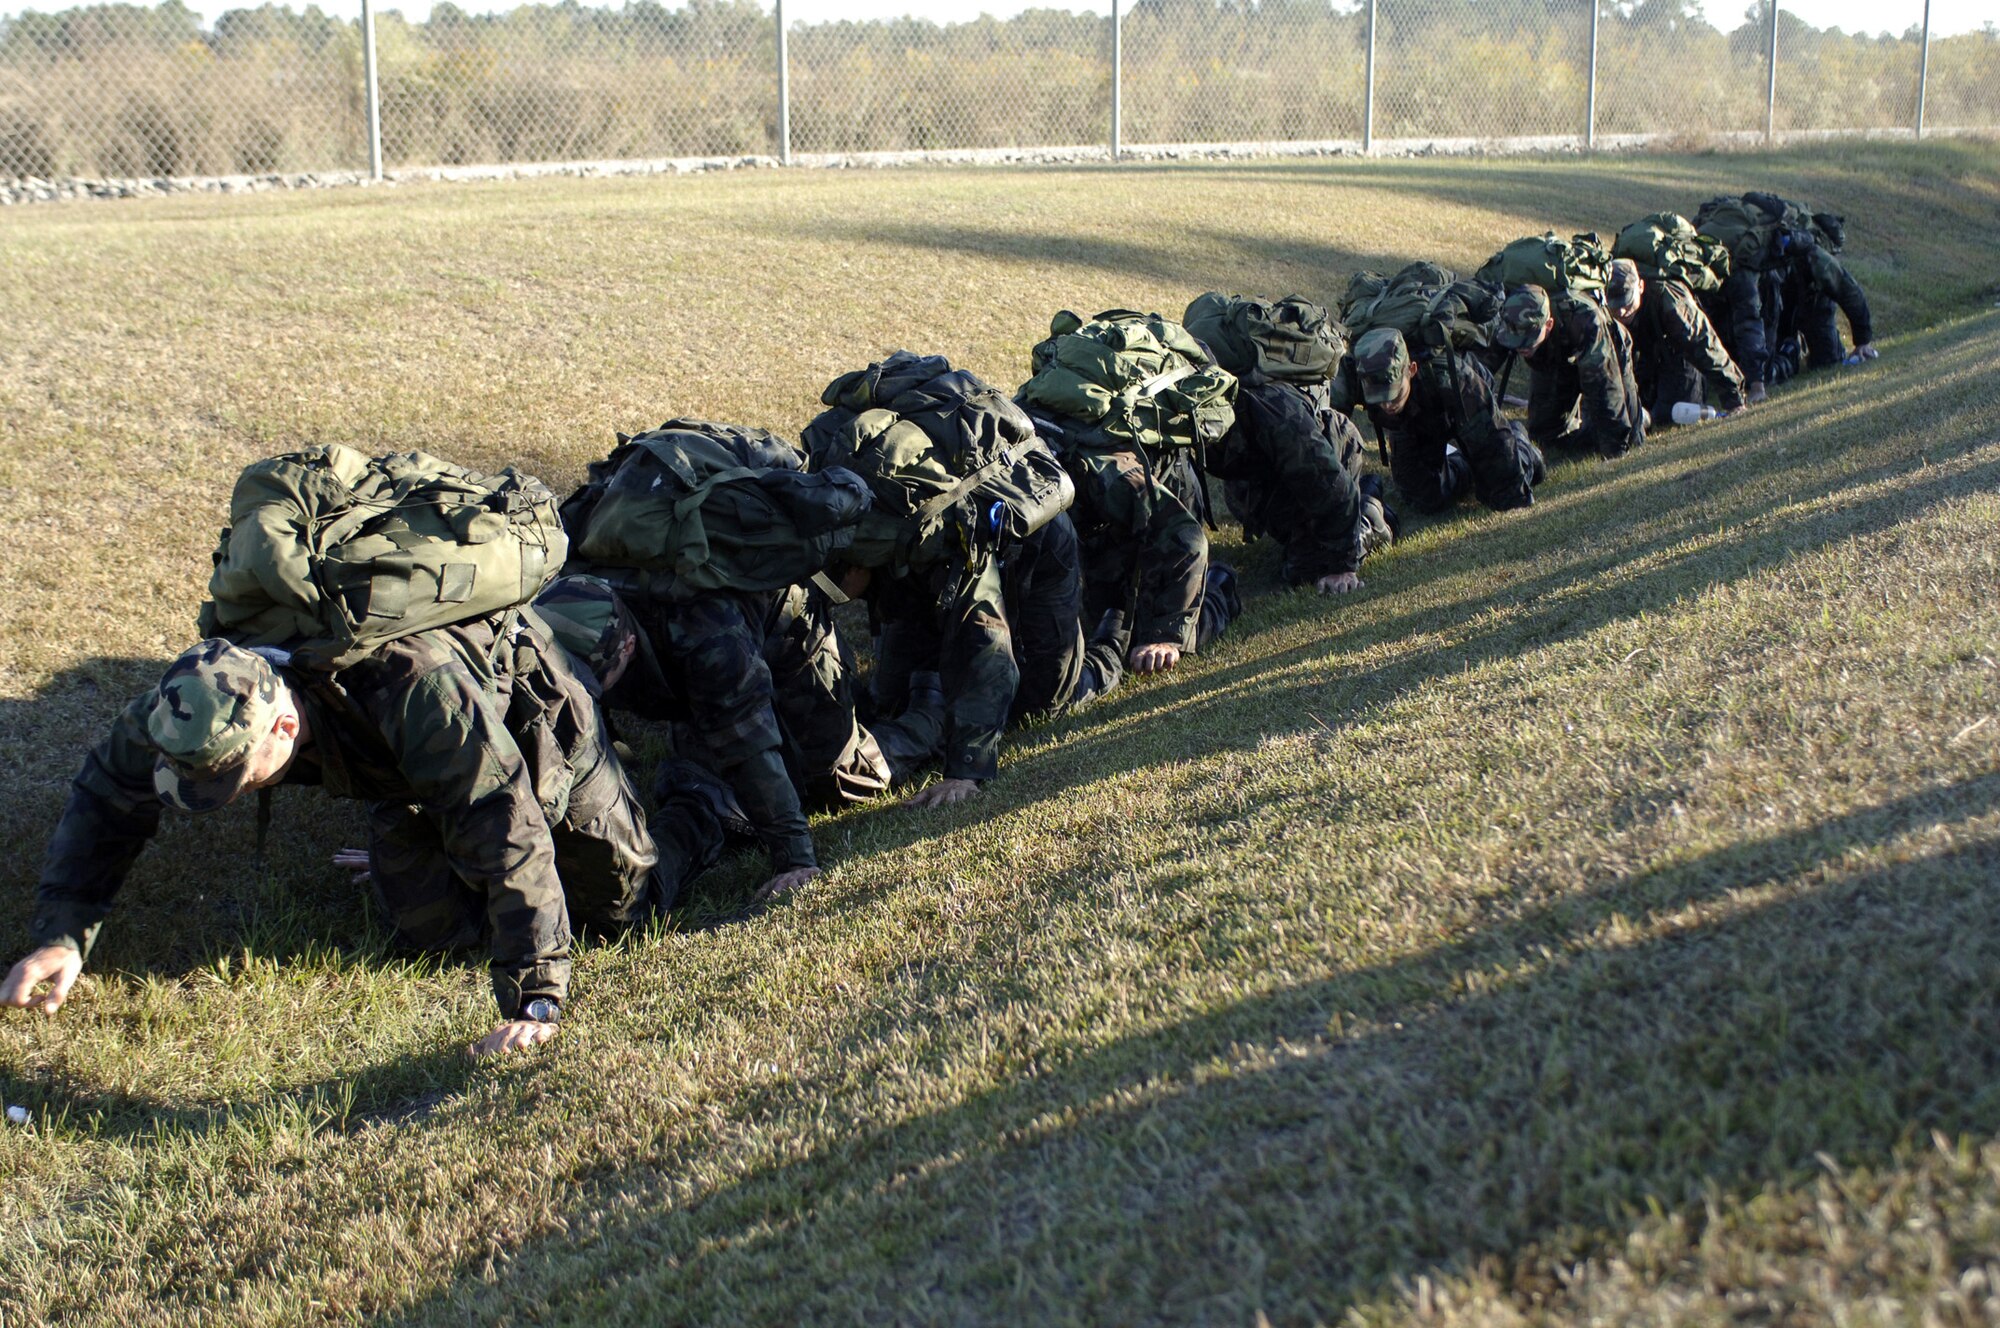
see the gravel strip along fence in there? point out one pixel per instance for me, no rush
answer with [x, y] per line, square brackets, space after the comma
[31, 190]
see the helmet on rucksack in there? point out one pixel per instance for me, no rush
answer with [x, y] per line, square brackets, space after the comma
[1291, 340]
[331, 553]
[1128, 380]
[694, 507]
[1666, 246]
[1576, 265]
[952, 463]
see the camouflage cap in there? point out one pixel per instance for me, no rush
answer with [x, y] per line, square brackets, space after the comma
[215, 703]
[1521, 319]
[1833, 227]
[1383, 362]
[588, 620]
[1623, 286]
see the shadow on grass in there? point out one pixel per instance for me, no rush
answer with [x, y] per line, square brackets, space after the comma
[1243, 1160]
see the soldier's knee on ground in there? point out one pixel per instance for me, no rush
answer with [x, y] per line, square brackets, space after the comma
[1221, 604]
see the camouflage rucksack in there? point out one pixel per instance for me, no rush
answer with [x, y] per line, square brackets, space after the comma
[1430, 305]
[693, 507]
[331, 553]
[1291, 340]
[952, 462]
[1556, 265]
[1667, 245]
[1129, 380]
[1746, 232]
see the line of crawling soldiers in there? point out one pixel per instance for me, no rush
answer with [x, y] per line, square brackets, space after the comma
[498, 806]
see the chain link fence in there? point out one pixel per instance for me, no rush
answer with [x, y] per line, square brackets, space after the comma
[120, 90]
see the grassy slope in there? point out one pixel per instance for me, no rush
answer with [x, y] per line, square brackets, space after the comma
[1595, 917]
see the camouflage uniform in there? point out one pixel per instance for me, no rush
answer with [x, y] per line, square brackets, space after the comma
[1007, 641]
[762, 688]
[1450, 432]
[1674, 347]
[1584, 362]
[494, 803]
[1744, 313]
[1815, 285]
[1290, 467]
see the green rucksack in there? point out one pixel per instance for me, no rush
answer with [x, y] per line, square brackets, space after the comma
[331, 553]
[1430, 305]
[1744, 231]
[1556, 265]
[694, 507]
[1667, 246]
[1291, 340]
[952, 463]
[1128, 380]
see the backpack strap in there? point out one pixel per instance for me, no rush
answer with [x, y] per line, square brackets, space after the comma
[934, 507]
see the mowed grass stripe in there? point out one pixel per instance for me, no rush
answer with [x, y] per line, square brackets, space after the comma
[1557, 900]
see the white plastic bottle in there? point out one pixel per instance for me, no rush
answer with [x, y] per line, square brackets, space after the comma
[1693, 412]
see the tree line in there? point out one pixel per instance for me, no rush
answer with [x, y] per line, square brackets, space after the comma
[127, 90]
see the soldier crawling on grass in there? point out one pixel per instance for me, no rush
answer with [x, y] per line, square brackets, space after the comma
[1675, 350]
[496, 806]
[757, 685]
[1440, 422]
[1291, 464]
[1582, 392]
[1131, 402]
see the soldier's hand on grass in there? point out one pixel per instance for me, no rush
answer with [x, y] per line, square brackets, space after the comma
[57, 965]
[944, 793]
[1867, 351]
[1154, 658]
[1340, 583]
[354, 860]
[783, 884]
[514, 1035]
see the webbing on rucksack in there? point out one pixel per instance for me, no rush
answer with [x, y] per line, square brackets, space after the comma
[1130, 380]
[694, 507]
[954, 464]
[1550, 262]
[1667, 246]
[1291, 340]
[331, 553]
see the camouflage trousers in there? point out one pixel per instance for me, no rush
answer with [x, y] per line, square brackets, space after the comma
[1594, 408]
[616, 870]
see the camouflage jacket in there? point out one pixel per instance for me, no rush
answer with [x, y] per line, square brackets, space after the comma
[1671, 322]
[1583, 337]
[1287, 466]
[1141, 540]
[1005, 642]
[1826, 275]
[714, 670]
[448, 720]
[1452, 400]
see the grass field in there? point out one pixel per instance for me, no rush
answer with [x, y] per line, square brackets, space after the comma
[1593, 920]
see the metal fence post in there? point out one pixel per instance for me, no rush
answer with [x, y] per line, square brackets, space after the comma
[1590, 99]
[372, 92]
[1368, 87]
[1924, 69]
[1771, 90]
[784, 91]
[1117, 79]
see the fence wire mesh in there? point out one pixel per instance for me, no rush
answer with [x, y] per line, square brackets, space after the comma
[123, 90]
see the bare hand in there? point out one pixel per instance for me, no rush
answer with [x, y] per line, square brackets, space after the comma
[944, 793]
[514, 1035]
[1340, 583]
[783, 884]
[354, 860]
[1154, 658]
[1867, 351]
[57, 965]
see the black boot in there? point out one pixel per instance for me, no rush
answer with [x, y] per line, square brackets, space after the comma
[686, 782]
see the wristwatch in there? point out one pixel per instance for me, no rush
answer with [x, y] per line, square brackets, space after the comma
[541, 1010]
